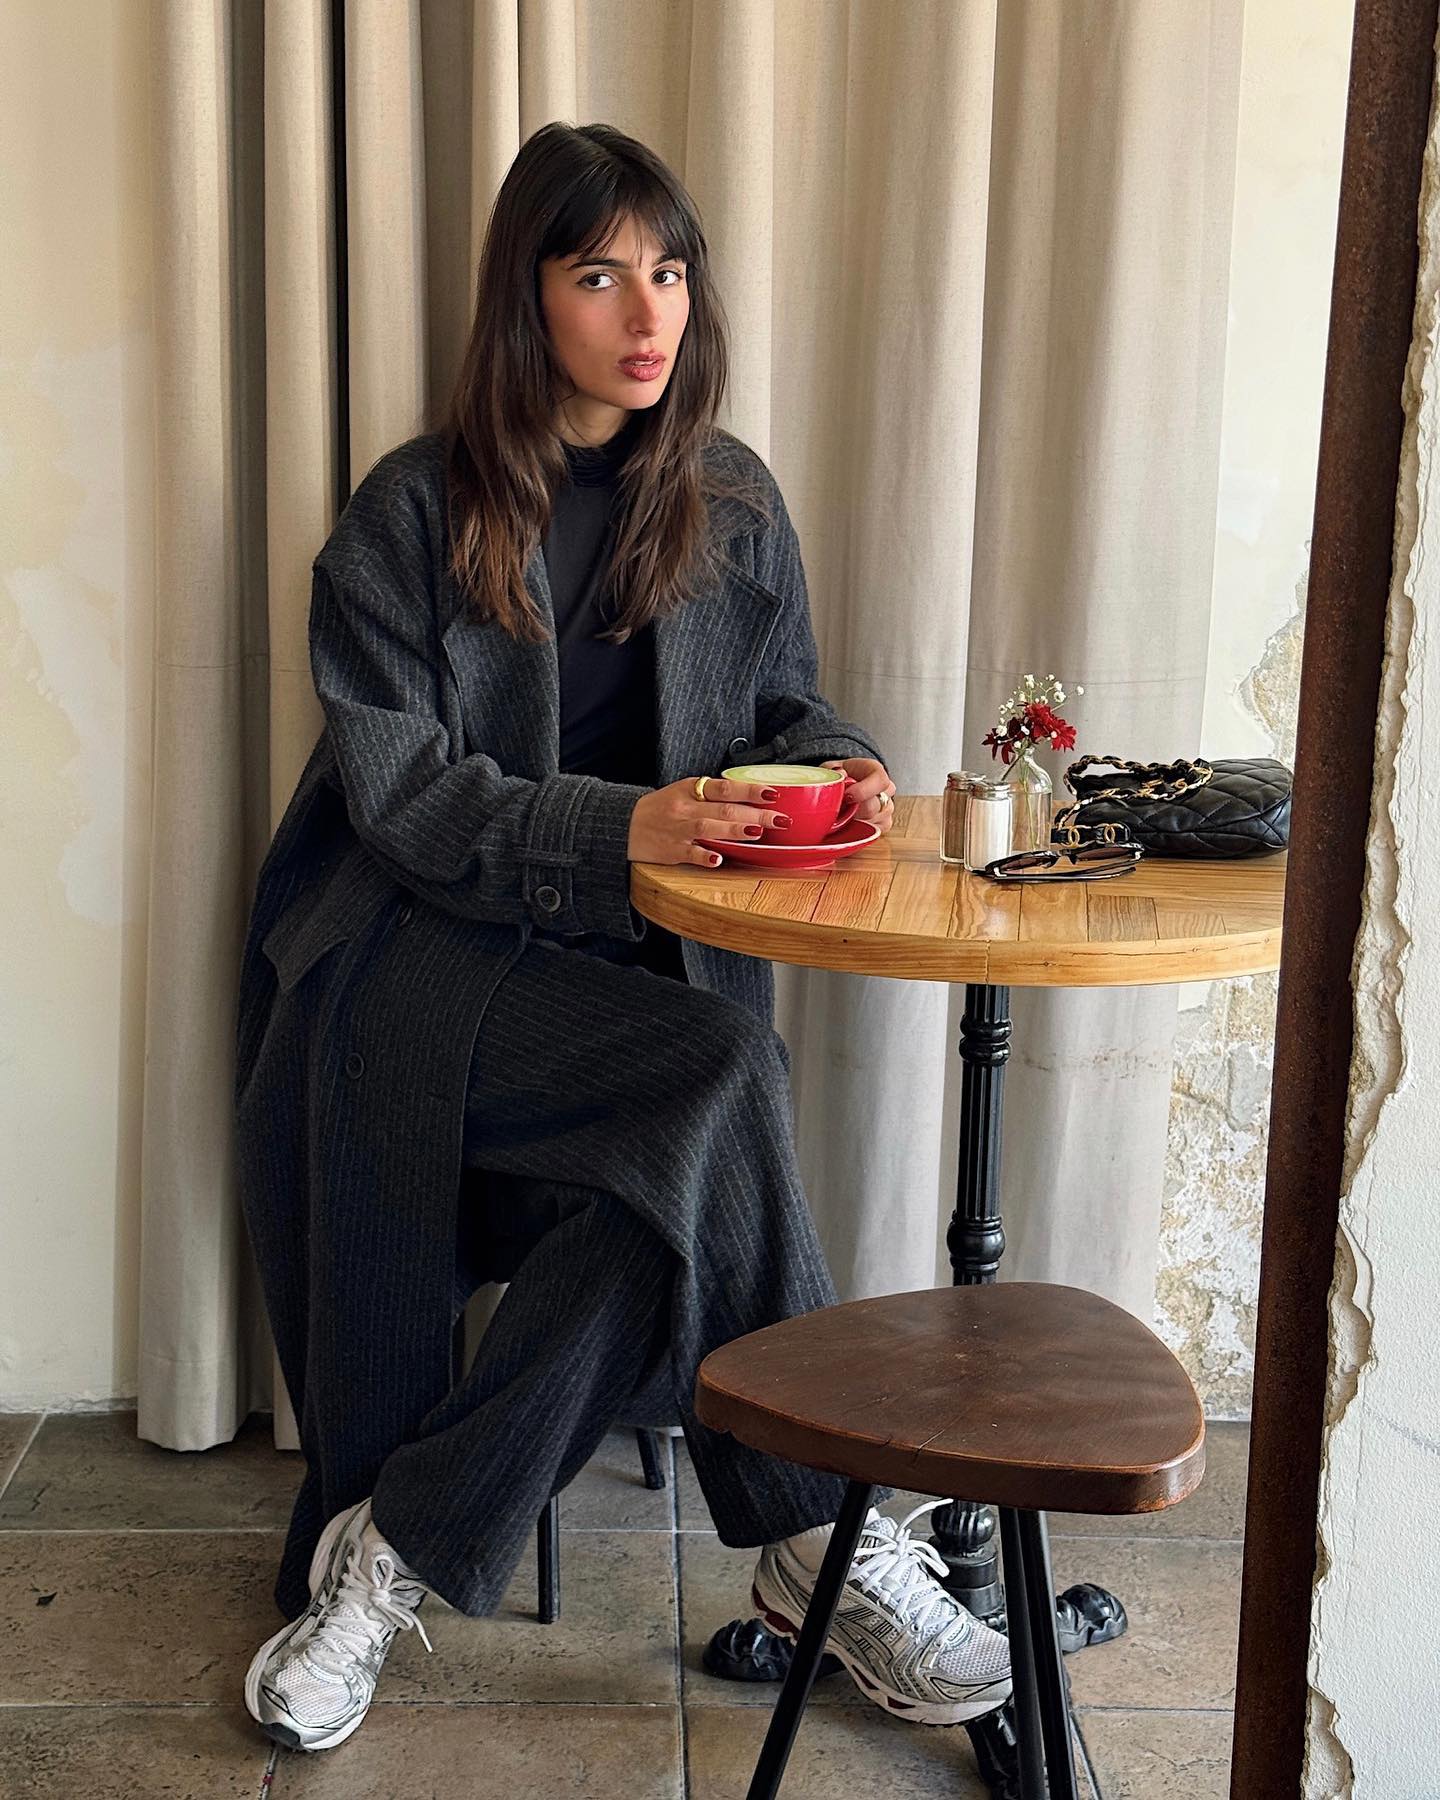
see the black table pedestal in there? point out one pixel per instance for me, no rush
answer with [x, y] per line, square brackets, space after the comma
[964, 1532]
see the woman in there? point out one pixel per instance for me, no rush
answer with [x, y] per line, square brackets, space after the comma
[534, 633]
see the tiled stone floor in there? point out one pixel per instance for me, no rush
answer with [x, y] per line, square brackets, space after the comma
[135, 1584]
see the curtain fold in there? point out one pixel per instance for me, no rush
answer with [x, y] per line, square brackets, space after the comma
[1107, 275]
[201, 1360]
[882, 281]
[975, 262]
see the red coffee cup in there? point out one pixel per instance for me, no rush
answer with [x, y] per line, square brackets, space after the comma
[814, 799]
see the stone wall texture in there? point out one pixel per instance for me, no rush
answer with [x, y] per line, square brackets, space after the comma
[1219, 1109]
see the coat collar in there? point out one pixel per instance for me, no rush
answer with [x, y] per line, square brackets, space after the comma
[707, 657]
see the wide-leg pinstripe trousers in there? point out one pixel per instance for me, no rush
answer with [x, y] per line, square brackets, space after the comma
[663, 1113]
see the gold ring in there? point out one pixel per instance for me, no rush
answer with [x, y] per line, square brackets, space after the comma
[700, 781]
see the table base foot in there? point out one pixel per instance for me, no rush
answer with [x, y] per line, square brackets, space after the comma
[992, 1738]
[745, 1650]
[1088, 1614]
[997, 1756]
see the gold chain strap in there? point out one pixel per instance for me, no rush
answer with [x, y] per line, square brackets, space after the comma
[1166, 781]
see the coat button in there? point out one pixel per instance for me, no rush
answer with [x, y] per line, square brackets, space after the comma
[354, 1065]
[738, 744]
[405, 914]
[548, 897]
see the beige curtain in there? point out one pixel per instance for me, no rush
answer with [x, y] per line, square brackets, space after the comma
[975, 257]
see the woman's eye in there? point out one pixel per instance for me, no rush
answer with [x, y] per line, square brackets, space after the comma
[600, 275]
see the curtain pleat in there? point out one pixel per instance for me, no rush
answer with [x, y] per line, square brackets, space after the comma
[299, 468]
[1107, 271]
[385, 201]
[200, 1318]
[882, 285]
[975, 263]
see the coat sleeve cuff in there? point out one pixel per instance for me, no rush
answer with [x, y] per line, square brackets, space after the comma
[576, 873]
[818, 747]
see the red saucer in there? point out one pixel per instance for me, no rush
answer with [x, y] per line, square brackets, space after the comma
[849, 838]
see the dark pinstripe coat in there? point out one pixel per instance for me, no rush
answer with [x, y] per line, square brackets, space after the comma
[430, 831]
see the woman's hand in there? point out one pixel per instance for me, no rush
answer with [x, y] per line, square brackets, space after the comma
[666, 822]
[873, 792]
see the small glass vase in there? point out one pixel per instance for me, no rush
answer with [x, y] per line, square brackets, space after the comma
[1033, 805]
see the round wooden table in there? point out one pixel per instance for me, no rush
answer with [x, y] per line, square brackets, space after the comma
[895, 909]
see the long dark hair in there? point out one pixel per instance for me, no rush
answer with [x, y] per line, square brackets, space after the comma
[567, 194]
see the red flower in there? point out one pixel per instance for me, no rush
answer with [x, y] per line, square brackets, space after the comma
[1031, 722]
[1041, 721]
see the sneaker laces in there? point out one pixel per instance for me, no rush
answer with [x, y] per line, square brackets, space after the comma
[364, 1608]
[896, 1566]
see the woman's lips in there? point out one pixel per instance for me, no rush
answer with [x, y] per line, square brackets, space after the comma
[642, 368]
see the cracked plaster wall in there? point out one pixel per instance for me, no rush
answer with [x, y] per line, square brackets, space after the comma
[1208, 1268]
[75, 653]
[1374, 1727]
[1294, 71]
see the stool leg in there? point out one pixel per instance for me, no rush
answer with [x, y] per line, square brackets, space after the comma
[547, 1544]
[1050, 1671]
[785, 1721]
[1019, 1580]
[649, 1442]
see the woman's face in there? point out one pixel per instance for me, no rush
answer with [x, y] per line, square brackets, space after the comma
[599, 312]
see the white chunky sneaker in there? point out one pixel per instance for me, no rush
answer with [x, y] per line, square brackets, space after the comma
[907, 1643]
[310, 1685]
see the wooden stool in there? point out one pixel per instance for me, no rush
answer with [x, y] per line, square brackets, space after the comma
[1027, 1396]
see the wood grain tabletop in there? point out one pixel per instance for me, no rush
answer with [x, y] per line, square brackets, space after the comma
[895, 909]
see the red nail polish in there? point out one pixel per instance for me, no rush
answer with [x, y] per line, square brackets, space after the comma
[769, 793]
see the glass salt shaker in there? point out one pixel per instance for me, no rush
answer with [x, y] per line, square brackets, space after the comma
[955, 805]
[989, 822]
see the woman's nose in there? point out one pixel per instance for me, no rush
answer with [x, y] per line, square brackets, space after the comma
[647, 320]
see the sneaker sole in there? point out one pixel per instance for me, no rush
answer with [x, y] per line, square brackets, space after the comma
[291, 1739]
[288, 1735]
[919, 1712]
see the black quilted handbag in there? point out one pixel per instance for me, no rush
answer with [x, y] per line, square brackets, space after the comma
[1184, 808]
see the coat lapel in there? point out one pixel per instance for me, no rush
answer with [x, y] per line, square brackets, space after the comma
[708, 655]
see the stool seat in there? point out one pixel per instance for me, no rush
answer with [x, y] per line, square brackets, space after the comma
[1023, 1394]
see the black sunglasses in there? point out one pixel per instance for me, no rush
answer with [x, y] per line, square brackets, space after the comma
[1111, 854]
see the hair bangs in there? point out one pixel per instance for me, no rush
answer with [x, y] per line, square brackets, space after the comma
[592, 215]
